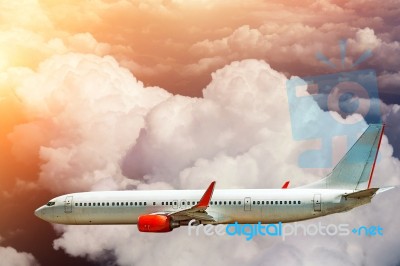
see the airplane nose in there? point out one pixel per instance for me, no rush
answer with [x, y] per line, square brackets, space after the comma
[39, 212]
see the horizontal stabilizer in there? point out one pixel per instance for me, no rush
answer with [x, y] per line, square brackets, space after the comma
[384, 189]
[362, 194]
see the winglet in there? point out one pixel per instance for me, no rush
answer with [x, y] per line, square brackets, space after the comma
[286, 185]
[205, 200]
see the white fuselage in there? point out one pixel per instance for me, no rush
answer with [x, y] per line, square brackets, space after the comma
[226, 206]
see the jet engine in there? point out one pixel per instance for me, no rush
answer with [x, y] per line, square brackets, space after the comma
[156, 223]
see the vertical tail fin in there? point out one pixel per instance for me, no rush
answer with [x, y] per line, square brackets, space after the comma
[355, 169]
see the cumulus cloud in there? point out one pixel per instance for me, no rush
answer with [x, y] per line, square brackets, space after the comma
[183, 130]
[74, 105]
[11, 257]
[239, 134]
[85, 118]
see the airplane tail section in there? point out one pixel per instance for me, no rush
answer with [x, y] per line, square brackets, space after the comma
[355, 169]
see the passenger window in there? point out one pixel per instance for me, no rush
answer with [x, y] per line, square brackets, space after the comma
[76, 204]
[174, 202]
[183, 203]
[294, 202]
[280, 202]
[220, 203]
[272, 203]
[230, 202]
[276, 202]
[194, 203]
[80, 204]
[140, 203]
[239, 202]
[84, 204]
[145, 203]
[262, 202]
[90, 204]
[131, 203]
[285, 202]
[224, 202]
[135, 203]
[113, 204]
[290, 202]
[267, 202]
[299, 202]
[162, 203]
[254, 203]
[258, 202]
[102, 204]
[108, 204]
[234, 202]
[154, 203]
[117, 203]
[211, 203]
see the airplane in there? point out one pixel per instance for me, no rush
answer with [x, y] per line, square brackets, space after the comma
[346, 187]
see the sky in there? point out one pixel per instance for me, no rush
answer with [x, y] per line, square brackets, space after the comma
[115, 95]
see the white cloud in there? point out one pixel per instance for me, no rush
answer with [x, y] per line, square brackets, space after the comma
[86, 112]
[10, 257]
[366, 39]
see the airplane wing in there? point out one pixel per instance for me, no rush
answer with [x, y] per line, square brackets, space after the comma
[161, 222]
[198, 211]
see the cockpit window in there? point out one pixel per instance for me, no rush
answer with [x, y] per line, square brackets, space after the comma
[50, 203]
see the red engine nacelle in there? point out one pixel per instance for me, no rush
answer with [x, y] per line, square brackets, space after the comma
[155, 223]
